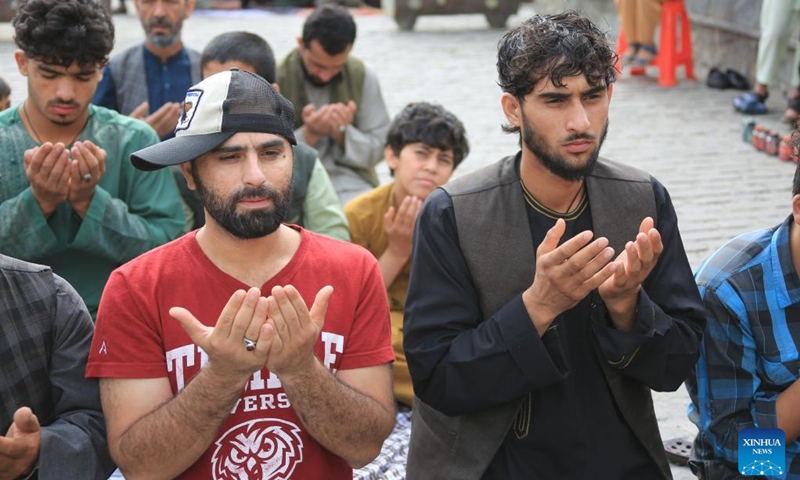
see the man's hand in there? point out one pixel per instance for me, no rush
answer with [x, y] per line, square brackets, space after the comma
[348, 112]
[47, 169]
[620, 292]
[293, 329]
[87, 167]
[243, 317]
[314, 123]
[565, 274]
[19, 449]
[141, 111]
[162, 120]
[340, 116]
[399, 226]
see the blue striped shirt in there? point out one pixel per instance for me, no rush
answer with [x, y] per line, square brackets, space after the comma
[749, 354]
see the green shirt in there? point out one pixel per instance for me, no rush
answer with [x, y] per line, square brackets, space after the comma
[131, 212]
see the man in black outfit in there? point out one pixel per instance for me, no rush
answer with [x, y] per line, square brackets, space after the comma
[549, 291]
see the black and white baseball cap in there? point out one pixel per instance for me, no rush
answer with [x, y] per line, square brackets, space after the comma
[214, 110]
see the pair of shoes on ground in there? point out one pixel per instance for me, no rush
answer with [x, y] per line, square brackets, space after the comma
[638, 55]
[727, 79]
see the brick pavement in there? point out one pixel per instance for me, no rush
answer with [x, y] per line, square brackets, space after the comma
[687, 136]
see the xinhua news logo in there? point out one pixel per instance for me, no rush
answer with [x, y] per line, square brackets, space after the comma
[762, 451]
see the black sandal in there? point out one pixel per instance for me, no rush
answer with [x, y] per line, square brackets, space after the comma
[643, 62]
[629, 56]
[792, 104]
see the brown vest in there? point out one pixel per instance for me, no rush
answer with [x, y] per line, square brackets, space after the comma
[493, 230]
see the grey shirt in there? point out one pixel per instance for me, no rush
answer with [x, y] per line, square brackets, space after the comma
[364, 142]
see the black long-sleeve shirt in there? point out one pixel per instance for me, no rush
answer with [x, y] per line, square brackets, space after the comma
[462, 363]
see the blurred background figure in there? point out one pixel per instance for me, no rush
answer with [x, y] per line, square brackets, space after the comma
[339, 107]
[639, 19]
[5, 95]
[148, 81]
[121, 8]
[777, 18]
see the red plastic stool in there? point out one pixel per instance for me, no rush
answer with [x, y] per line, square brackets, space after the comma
[674, 50]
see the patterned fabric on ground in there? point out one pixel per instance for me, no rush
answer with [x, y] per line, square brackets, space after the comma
[391, 462]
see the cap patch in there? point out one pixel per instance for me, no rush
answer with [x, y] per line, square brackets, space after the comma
[189, 108]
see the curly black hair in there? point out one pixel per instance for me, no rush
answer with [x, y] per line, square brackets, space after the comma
[430, 124]
[554, 46]
[62, 32]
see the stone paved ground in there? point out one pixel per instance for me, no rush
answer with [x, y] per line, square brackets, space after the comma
[687, 136]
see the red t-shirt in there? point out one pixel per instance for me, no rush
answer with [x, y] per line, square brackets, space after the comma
[263, 437]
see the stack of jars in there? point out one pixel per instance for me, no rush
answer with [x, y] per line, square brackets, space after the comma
[768, 141]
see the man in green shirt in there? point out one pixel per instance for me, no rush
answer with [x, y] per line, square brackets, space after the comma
[69, 196]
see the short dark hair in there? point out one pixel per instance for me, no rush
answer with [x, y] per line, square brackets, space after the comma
[5, 90]
[62, 32]
[430, 124]
[554, 46]
[244, 47]
[332, 26]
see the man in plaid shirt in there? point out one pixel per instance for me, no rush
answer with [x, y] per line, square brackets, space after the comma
[50, 414]
[749, 362]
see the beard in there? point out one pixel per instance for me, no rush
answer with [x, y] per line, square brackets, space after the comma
[313, 80]
[163, 40]
[250, 224]
[556, 163]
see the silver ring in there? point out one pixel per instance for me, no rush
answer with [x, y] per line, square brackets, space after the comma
[87, 177]
[342, 128]
[249, 344]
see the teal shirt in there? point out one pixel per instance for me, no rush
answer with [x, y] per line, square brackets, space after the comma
[131, 212]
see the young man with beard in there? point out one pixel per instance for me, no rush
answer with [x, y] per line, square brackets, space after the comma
[340, 109]
[315, 205]
[69, 197]
[549, 291]
[148, 81]
[248, 348]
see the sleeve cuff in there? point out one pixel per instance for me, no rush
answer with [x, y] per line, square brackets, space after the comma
[618, 347]
[540, 358]
[95, 213]
[34, 213]
[764, 412]
[97, 208]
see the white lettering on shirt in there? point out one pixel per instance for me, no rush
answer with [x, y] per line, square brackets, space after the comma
[180, 358]
[177, 359]
[333, 343]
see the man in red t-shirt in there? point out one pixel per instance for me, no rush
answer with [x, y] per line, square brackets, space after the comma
[268, 388]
